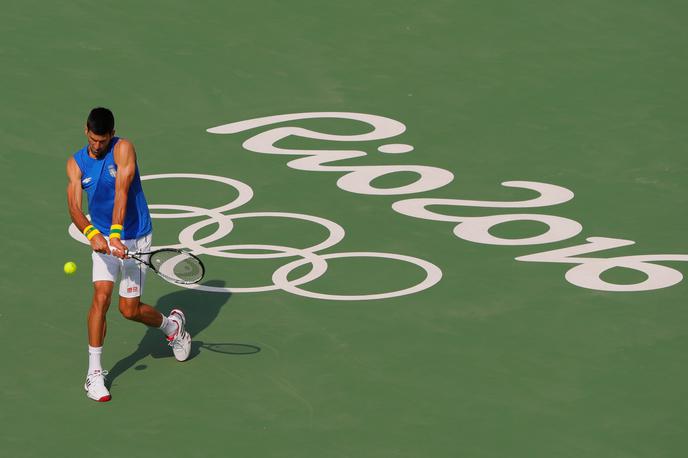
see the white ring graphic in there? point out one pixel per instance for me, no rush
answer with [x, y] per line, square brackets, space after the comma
[434, 275]
[245, 194]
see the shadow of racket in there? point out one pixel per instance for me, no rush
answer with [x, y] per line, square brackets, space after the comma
[229, 348]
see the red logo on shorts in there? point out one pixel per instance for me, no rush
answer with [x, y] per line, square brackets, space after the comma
[133, 289]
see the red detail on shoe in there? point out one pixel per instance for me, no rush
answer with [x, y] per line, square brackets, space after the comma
[105, 398]
[175, 333]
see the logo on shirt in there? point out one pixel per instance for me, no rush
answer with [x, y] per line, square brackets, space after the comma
[112, 170]
[86, 180]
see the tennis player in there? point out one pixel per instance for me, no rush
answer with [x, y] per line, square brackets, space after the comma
[106, 169]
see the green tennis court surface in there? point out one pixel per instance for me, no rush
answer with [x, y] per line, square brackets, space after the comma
[582, 104]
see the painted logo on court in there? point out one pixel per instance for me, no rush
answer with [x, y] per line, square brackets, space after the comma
[223, 218]
[585, 273]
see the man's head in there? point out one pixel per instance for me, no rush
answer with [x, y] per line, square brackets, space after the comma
[100, 128]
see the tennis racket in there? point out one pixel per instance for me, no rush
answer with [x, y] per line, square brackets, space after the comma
[175, 266]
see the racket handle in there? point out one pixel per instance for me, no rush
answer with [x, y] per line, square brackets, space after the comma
[126, 251]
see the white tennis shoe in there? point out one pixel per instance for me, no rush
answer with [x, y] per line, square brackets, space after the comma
[95, 386]
[180, 341]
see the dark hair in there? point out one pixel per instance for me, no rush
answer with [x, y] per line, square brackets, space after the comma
[100, 121]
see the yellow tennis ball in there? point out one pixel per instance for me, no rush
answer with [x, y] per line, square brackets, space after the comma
[70, 268]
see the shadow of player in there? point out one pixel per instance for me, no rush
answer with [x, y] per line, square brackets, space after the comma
[200, 307]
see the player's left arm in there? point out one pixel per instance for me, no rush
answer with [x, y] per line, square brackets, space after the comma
[125, 158]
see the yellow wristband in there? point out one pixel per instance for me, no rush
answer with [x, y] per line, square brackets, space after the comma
[92, 233]
[116, 231]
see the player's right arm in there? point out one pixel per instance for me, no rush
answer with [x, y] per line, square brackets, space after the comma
[74, 196]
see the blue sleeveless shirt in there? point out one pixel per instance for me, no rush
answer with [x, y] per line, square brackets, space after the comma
[98, 180]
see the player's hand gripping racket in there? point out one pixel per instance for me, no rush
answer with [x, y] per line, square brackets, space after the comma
[175, 266]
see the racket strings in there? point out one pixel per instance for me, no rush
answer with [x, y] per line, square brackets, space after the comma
[177, 267]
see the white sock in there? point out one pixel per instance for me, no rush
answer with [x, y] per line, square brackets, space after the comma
[169, 327]
[94, 359]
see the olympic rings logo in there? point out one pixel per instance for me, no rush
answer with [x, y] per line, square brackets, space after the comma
[224, 223]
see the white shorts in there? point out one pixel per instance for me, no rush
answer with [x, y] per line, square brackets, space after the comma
[107, 267]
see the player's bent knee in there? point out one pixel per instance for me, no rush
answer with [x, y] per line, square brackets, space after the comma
[129, 313]
[129, 307]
